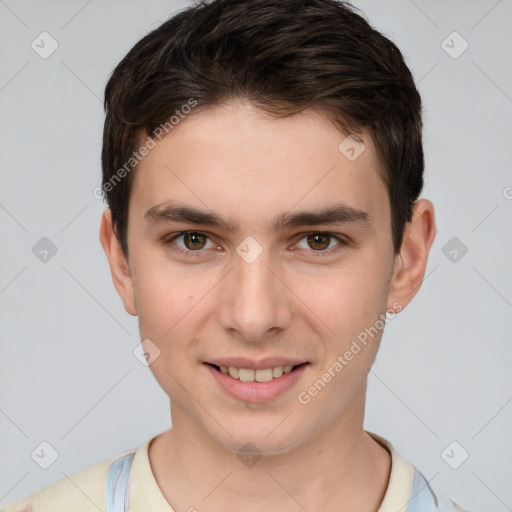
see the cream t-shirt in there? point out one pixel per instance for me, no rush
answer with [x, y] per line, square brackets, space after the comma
[85, 490]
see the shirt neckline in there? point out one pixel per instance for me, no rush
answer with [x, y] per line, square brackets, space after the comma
[398, 493]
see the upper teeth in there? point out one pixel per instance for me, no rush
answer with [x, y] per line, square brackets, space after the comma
[250, 375]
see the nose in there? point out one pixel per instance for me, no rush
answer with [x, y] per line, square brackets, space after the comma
[255, 302]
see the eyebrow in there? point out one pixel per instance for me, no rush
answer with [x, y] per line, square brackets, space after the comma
[332, 215]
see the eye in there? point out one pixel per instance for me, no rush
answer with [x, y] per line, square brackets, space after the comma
[319, 242]
[193, 241]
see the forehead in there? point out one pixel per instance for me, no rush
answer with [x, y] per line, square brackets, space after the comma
[239, 160]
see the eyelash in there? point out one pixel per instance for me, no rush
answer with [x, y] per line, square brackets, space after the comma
[342, 242]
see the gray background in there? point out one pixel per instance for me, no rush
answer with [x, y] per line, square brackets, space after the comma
[68, 375]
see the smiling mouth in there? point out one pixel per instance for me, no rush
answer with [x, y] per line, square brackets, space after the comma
[251, 375]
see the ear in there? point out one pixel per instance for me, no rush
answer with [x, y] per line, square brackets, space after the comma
[411, 262]
[119, 267]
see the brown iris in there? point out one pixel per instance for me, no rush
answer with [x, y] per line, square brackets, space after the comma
[195, 240]
[322, 240]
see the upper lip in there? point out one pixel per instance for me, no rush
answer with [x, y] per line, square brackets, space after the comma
[244, 362]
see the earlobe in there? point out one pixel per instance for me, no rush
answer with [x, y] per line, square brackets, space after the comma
[411, 262]
[119, 268]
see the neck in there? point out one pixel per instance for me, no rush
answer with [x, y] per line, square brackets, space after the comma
[342, 468]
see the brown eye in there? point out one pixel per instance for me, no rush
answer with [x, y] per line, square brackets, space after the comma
[194, 241]
[321, 244]
[318, 241]
[193, 244]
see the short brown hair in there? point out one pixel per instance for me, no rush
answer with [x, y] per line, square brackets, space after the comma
[282, 56]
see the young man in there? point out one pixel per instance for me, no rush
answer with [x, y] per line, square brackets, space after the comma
[262, 163]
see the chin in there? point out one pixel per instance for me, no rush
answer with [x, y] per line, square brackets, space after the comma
[259, 439]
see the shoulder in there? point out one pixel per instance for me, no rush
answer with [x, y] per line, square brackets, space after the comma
[446, 504]
[84, 491]
[408, 485]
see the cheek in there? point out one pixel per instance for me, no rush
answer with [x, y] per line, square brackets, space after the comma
[172, 306]
[167, 307]
[351, 305]
[349, 298]
[164, 294]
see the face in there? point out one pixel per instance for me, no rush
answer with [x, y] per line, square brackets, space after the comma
[255, 243]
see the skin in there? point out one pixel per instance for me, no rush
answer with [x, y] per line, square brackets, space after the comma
[240, 163]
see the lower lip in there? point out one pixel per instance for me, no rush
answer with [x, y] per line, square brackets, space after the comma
[257, 391]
